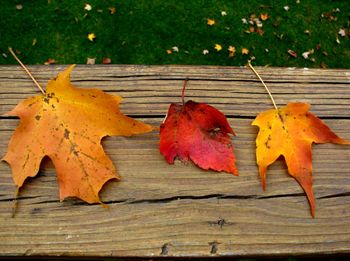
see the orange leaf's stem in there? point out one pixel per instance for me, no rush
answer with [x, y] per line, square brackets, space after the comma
[183, 91]
[267, 89]
[27, 71]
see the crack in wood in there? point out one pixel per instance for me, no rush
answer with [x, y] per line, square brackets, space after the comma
[345, 194]
[165, 249]
[175, 198]
[214, 247]
[19, 198]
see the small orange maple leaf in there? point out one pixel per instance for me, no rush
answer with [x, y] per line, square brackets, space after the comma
[245, 51]
[67, 125]
[112, 10]
[91, 37]
[290, 132]
[232, 51]
[210, 22]
[264, 16]
[218, 47]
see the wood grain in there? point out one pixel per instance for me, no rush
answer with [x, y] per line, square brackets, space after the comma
[179, 210]
[148, 90]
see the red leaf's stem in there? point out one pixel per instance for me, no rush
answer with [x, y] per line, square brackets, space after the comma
[27, 71]
[183, 91]
[267, 89]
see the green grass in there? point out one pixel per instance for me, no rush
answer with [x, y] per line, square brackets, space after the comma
[141, 31]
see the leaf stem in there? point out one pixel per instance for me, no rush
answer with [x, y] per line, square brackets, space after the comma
[267, 89]
[183, 91]
[27, 71]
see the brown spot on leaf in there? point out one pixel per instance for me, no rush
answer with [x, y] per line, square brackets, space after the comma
[269, 125]
[46, 100]
[37, 117]
[66, 134]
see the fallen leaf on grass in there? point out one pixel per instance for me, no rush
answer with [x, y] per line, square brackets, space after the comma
[91, 37]
[112, 10]
[260, 31]
[342, 32]
[329, 16]
[292, 53]
[87, 7]
[67, 125]
[90, 60]
[245, 51]
[50, 61]
[210, 22]
[232, 51]
[106, 60]
[197, 132]
[306, 54]
[218, 47]
[264, 16]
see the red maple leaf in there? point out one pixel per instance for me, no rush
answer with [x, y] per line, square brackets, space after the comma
[198, 132]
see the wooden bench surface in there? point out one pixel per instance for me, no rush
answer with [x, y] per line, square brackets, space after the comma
[179, 210]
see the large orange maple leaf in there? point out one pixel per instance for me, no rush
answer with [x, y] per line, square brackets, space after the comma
[67, 125]
[290, 131]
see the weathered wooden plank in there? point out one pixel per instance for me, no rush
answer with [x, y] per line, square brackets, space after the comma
[146, 175]
[149, 89]
[181, 210]
[177, 209]
[184, 227]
